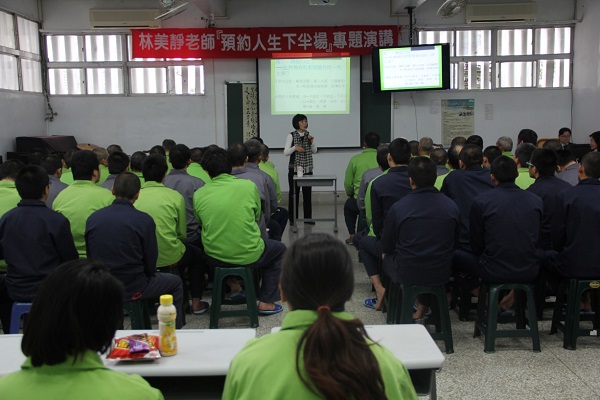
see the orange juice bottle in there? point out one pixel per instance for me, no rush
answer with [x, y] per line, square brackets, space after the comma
[167, 314]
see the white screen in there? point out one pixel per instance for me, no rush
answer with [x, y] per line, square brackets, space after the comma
[326, 90]
[407, 68]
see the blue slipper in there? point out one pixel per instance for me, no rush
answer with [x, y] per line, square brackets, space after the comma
[278, 308]
[370, 303]
[203, 310]
[241, 295]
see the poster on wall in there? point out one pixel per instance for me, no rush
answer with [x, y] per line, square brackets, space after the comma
[458, 119]
[250, 110]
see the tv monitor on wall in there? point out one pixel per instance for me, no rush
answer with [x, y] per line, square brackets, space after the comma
[406, 68]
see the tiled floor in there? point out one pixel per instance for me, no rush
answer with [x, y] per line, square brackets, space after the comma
[512, 372]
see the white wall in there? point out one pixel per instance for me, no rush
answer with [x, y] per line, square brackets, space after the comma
[586, 82]
[139, 122]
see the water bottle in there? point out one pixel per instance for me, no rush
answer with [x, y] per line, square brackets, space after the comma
[167, 314]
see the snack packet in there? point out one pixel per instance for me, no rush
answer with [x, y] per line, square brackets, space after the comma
[135, 347]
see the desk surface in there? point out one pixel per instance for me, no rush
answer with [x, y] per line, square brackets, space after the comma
[412, 344]
[201, 352]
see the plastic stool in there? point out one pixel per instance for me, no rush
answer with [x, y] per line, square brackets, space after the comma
[218, 296]
[138, 312]
[18, 310]
[574, 288]
[488, 325]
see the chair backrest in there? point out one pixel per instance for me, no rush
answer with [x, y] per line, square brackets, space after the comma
[18, 310]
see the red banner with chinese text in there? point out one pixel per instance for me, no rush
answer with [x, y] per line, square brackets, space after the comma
[262, 42]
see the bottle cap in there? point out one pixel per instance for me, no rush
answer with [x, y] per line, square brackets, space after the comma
[166, 300]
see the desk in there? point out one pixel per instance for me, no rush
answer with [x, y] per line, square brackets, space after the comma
[199, 368]
[413, 345]
[314, 180]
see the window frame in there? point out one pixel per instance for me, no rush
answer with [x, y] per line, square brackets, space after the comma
[125, 65]
[496, 60]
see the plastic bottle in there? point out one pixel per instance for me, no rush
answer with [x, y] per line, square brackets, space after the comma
[167, 314]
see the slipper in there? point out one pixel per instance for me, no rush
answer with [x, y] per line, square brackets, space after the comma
[349, 240]
[506, 313]
[426, 313]
[278, 308]
[203, 310]
[241, 295]
[370, 303]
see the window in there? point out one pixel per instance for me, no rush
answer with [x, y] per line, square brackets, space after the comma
[517, 57]
[20, 67]
[95, 64]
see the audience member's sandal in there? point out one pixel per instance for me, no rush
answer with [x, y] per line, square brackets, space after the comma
[371, 303]
[202, 310]
[278, 308]
[241, 295]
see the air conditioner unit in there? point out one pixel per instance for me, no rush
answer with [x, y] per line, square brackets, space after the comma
[123, 18]
[486, 13]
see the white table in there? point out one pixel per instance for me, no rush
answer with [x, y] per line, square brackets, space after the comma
[413, 345]
[314, 180]
[199, 367]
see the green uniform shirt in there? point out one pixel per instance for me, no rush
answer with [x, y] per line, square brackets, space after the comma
[195, 169]
[167, 209]
[9, 198]
[356, 168]
[269, 168]
[141, 176]
[103, 174]
[67, 176]
[266, 367]
[440, 180]
[87, 378]
[77, 202]
[508, 154]
[228, 209]
[524, 180]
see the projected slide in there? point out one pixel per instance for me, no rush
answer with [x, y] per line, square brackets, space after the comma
[411, 68]
[310, 86]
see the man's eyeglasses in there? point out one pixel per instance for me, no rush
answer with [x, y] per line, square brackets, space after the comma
[529, 165]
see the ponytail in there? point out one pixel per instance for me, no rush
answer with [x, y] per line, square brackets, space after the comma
[338, 361]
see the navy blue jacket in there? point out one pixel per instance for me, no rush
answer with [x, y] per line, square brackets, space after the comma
[385, 191]
[34, 240]
[505, 229]
[549, 189]
[421, 233]
[124, 238]
[462, 186]
[576, 229]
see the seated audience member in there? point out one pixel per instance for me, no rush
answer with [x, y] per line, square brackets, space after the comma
[83, 196]
[269, 168]
[52, 164]
[357, 166]
[195, 169]
[238, 154]
[34, 240]
[458, 141]
[385, 191]
[9, 197]
[158, 149]
[501, 253]
[135, 164]
[184, 184]
[476, 140]
[73, 318]
[527, 136]
[425, 146]
[67, 173]
[277, 221]
[490, 153]
[102, 155]
[466, 183]
[575, 227]
[420, 233]
[553, 145]
[414, 147]
[113, 148]
[117, 162]
[440, 158]
[168, 145]
[506, 146]
[595, 140]
[34, 158]
[167, 209]
[235, 203]
[564, 137]
[568, 167]
[124, 239]
[364, 195]
[548, 187]
[317, 337]
[522, 157]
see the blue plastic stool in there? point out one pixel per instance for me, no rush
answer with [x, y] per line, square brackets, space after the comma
[18, 310]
